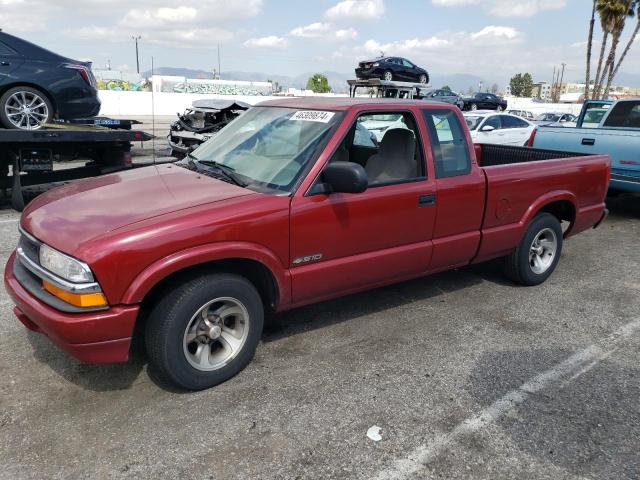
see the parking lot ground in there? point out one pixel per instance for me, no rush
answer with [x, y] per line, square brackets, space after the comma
[467, 375]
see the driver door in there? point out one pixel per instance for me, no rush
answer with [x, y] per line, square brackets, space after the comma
[342, 242]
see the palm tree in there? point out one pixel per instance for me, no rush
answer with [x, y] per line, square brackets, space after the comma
[635, 6]
[625, 10]
[589, 45]
[609, 11]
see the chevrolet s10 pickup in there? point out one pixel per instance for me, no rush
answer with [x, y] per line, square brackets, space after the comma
[296, 201]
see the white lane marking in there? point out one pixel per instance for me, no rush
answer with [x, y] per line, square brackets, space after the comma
[564, 372]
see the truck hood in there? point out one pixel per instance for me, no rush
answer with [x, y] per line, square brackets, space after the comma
[68, 216]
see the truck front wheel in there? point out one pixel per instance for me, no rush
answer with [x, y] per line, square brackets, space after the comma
[204, 331]
[535, 259]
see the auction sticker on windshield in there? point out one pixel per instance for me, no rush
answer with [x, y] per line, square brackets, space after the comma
[313, 116]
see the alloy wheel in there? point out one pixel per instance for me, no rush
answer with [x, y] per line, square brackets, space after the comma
[26, 110]
[216, 334]
[543, 251]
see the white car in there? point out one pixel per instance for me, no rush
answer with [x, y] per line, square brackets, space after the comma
[498, 128]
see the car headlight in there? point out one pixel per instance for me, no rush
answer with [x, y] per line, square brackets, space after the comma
[64, 266]
[375, 65]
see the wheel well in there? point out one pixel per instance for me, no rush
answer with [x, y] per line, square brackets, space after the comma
[563, 210]
[257, 273]
[4, 88]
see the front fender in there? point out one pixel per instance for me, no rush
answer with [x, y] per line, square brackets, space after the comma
[190, 257]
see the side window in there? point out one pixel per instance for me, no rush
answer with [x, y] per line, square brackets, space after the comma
[624, 114]
[513, 122]
[407, 64]
[448, 143]
[387, 145]
[494, 122]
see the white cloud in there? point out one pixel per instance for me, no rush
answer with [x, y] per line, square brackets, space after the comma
[454, 3]
[325, 31]
[507, 8]
[493, 31]
[158, 17]
[356, 10]
[271, 41]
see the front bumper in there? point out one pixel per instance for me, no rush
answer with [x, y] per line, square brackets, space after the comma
[93, 337]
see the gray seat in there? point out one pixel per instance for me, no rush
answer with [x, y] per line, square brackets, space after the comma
[395, 159]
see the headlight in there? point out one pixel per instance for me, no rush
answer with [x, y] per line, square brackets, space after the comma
[64, 266]
[375, 65]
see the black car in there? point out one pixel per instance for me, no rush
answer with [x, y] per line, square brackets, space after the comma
[446, 96]
[392, 68]
[484, 101]
[37, 85]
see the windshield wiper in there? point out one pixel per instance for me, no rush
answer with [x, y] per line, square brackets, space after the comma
[224, 170]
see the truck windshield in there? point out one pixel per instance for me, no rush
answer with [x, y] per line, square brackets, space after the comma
[268, 148]
[473, 121]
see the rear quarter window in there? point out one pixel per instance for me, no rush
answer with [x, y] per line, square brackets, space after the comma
[448, 143]
[624, 115]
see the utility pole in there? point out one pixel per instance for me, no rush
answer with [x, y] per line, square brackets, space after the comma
[553, 83]
[219, 61]
[135, 39]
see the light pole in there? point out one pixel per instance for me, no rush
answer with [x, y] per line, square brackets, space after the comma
[135, 39]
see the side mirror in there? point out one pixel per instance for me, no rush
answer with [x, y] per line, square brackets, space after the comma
[342, 177]
[487, 128]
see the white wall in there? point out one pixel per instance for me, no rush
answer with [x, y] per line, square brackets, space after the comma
[134, 104]
[516, 103]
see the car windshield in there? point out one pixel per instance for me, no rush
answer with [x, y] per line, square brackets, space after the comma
[473, 121]
[548, 117]
[267, 148]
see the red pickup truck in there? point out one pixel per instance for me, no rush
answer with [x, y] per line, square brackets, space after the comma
[296, 201]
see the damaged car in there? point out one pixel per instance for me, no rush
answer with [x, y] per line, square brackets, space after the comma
[200, 122]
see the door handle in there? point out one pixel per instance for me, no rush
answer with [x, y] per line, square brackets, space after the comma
[588, 141]
[427, 199]
[5, 64]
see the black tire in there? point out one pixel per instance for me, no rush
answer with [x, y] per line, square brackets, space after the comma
[6, 98]
[386, 74]
[499, 108]
[518, 265]
[166, 326]
[473, 107]
[423, 78]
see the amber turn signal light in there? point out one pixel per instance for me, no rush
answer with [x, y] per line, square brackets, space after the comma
[82, 300]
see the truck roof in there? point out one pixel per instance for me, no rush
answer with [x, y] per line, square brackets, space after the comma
[345, 103]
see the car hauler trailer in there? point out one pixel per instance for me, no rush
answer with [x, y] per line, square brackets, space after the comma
[388, 89]
[32, 153]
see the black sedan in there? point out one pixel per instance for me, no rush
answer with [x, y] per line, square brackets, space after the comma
[37, 85]
[484, 101]
[392, 68]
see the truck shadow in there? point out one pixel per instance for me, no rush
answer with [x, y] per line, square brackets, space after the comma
[343, 309]
[624, 206]
[97, 378]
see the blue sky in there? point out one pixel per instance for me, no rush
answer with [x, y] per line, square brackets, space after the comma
[490, 38]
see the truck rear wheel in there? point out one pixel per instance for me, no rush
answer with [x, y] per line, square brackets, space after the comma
[204, 331]
[535, 259]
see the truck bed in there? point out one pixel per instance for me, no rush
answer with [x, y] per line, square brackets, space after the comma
[489, 155]
[515, 175]
[622, 145]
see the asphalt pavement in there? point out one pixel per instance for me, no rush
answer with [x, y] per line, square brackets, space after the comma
[465, 376]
